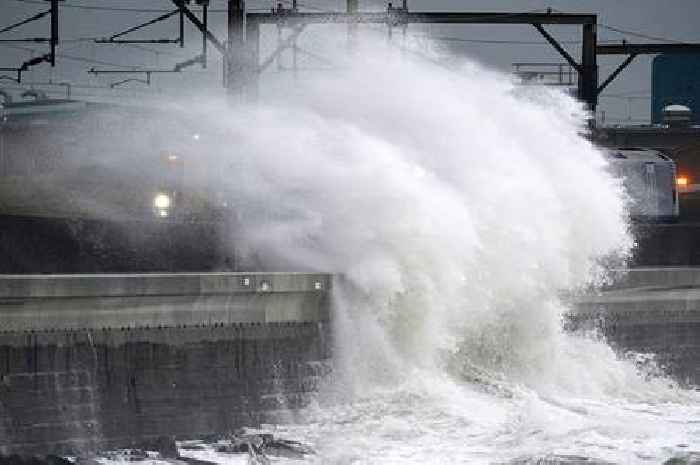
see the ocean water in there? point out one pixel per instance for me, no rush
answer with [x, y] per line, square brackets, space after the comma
[457, 208]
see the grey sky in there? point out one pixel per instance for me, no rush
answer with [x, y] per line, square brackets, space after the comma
[671, 19]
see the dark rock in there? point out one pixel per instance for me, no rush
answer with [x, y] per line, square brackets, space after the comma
[259, 445]
[287, 449]
[18, 460]
[192, 447]
[690, 458]
[195, 461]
[164, 445]
[55, 460]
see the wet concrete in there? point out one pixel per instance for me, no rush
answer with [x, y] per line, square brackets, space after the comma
[652, 311]
[93, 362]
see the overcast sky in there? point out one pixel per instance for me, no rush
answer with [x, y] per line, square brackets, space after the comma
[627, 97]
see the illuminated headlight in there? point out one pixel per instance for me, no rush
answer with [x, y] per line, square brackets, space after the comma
[161, 204]
[162, 201]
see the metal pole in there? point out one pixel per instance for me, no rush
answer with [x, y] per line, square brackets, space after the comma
[182, 28]
[205, 21]
[588, 75]
[54, 31]
[236, 20]
[251, 73]
[236, 36]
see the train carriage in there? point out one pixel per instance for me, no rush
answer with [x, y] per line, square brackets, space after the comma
[90, 187]
[649, 178]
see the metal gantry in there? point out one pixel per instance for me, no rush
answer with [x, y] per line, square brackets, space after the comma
[241, 50]
[183, 13]
[633, 50]
[53, 38]
[244, 31]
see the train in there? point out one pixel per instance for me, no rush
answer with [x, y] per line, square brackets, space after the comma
[91, 187]
[650, 181]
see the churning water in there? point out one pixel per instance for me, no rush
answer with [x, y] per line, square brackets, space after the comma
[458, 208]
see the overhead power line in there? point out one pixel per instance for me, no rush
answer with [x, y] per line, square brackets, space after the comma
[638, 34]
[74, 58]
[510, 42]
[131, 10]
[98, 8]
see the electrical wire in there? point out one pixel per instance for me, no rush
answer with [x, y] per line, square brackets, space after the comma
[74, 58]
[98, 8]
[511, 42]
[638, 34]
[112, 8]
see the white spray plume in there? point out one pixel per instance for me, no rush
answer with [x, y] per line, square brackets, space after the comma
[455, 205]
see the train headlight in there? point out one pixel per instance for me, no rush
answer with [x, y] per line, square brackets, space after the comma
[161, 205]
[682, 181]
[162, 201]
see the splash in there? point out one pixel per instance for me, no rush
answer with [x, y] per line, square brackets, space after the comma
[455, 208]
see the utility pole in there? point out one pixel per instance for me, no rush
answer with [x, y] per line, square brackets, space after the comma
[588, 78]
[236, 40]
[251, 57]
[205, 23]
[243, 52]
[54, 31]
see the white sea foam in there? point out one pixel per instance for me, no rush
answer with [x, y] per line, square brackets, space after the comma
[457, 208]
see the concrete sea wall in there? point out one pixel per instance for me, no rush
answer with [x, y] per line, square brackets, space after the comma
[93, 361]
[650, 311]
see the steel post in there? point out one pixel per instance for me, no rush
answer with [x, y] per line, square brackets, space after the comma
[236, 39]
[54, 30]
[588, 74]
[251, 72]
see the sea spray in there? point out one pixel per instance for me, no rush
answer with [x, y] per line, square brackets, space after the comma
[455, 208]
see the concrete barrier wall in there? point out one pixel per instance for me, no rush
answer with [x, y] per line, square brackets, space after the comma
[75, 302]
[89, 362]
[652, 311]
[658, 277]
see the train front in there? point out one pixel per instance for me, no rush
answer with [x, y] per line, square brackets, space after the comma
[103, 188]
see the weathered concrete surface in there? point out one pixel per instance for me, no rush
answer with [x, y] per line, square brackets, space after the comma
[669, 277]
[89, 362]
[650, 310]
[78, 302]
